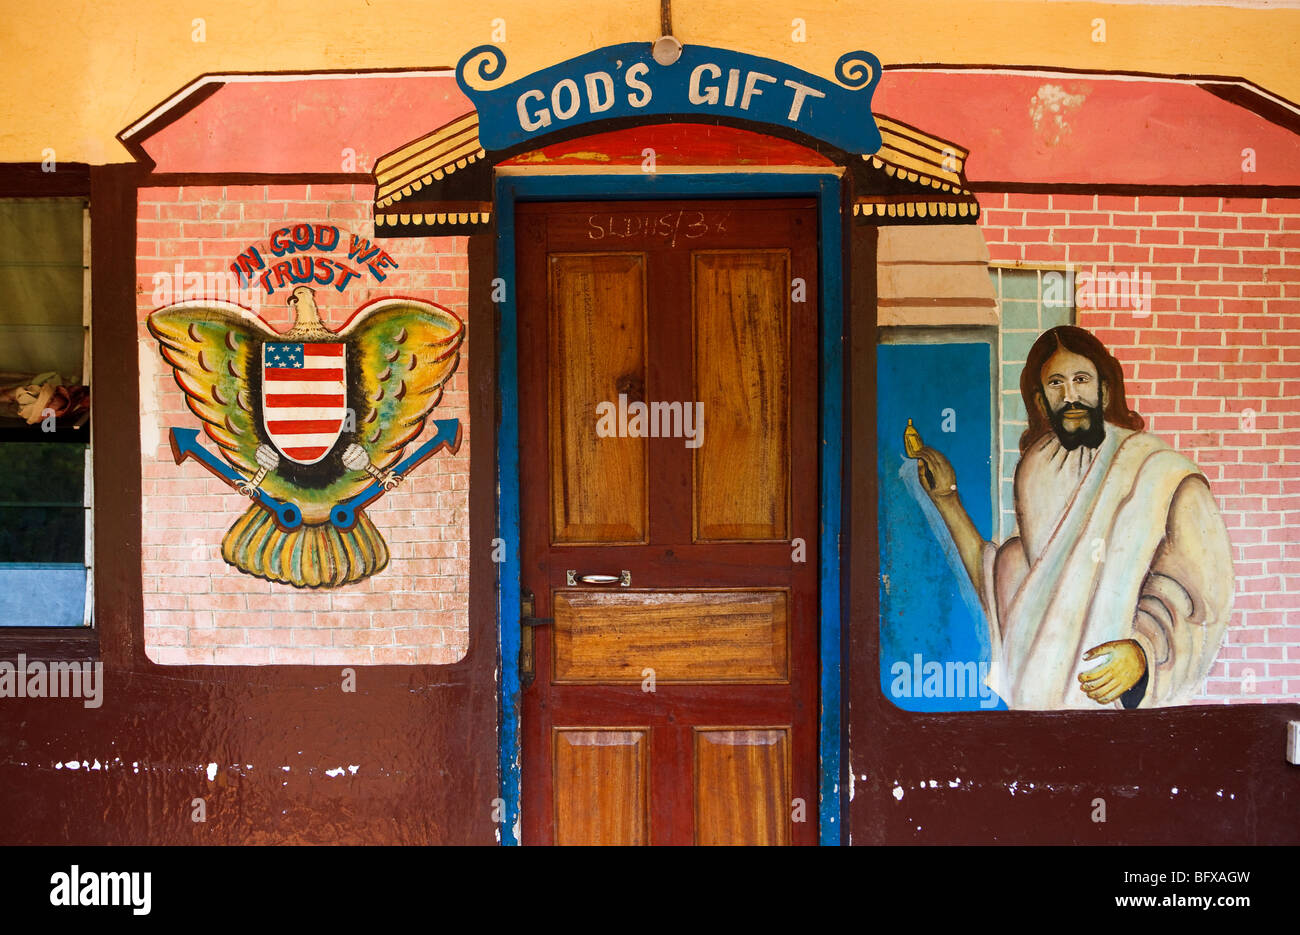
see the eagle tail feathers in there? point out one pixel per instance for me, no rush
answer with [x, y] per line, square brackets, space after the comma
[311, 556]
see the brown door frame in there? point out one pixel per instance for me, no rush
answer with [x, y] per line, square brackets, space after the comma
[829, 189]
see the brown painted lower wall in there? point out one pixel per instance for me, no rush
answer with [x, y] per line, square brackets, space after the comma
[409, 757]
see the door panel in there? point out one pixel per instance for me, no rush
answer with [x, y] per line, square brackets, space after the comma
[597, 301]
[682, 706]
[741, 766]
[684, 636]
[602, 786]
[741, 304]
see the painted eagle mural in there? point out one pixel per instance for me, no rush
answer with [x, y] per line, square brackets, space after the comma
[311, 418]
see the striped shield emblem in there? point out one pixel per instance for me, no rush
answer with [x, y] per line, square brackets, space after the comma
[304, 398]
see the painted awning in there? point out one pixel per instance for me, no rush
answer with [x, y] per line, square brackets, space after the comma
[1034, 126]
[441, 182]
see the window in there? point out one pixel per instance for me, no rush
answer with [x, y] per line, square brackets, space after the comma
[1031, 301]
[45, 541]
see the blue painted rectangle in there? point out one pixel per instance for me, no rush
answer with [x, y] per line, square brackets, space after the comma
[929, 611]
[282, 355]
[42, 594]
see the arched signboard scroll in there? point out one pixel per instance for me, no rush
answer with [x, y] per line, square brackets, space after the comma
[621, 81]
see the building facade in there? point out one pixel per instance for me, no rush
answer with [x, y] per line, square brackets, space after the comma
[487, 455]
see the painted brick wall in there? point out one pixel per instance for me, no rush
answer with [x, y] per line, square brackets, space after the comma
[1213, 367]
[197, 608]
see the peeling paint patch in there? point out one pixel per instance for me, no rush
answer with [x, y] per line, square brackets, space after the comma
[212, 771]
[580, 156]
[898, 792]
[583, 156]
[1049, 109]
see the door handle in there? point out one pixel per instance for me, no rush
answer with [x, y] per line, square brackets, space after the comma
[623, 579]
[527, 622]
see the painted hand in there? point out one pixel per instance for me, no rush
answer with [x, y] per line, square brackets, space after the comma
[1120, 672]
[938, 479]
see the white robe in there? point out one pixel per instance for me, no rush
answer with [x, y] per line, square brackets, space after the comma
[1123, 541]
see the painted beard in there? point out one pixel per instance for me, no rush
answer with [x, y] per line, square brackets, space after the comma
[1072, 437]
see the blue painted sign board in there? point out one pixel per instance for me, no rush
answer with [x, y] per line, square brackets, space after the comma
[621, 81]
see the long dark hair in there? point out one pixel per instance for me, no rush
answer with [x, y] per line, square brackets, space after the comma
[1086, 345]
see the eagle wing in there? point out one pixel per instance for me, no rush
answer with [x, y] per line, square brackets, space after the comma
[407, 350]
[212, 348]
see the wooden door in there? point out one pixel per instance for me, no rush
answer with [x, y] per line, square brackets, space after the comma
[679, 704]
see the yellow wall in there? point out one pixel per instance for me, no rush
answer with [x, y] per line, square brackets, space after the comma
[75, 72]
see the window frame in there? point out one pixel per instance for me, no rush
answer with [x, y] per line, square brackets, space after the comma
[58, 644]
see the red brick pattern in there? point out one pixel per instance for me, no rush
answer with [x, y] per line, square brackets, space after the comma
[198, 609]
[1213, 366]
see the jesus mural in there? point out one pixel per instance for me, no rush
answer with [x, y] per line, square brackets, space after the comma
[1118, 587]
